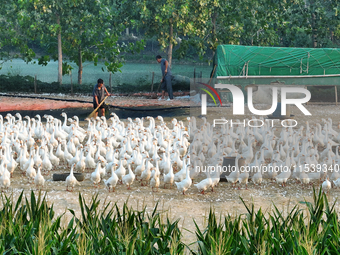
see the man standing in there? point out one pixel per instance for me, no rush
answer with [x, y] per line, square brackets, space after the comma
[166, 77]
[98, 96]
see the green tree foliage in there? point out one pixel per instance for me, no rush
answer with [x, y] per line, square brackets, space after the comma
[215, 22]
[13, 43]
[84, 30]
[249, 22]
[166, 20]
[311, 23]
[45, 19]
[93, 35]
[294, 23]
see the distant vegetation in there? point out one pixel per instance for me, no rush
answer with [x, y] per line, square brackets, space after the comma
[115, 31]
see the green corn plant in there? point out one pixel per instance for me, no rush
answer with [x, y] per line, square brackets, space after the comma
[29, 227]
[115, 230]
[311, 231]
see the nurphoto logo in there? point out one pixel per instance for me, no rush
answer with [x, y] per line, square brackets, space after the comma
[238, 99]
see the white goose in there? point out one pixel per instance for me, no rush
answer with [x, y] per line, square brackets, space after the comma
[89, 161]
[66, 128]
[67, 156]
[54, 159]
[257, 177]
[233, 176]
[39, 180]
[337, 182]
[121, 171]
[129, 178]
[154, 182]
[185, 184]
[146, 174]
[140, 168]
[326, 186]
[283, 177]
[71, 180]
[203, 185]
[46, 163]
[169, 177]
[179, 176]
[30, 171]
[80, 166]
[95, 176]
[112, 181]
[5, 176]
[59, 153]
[12, 164]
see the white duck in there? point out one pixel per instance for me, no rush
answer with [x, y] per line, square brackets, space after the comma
[203, 185]
[30, 171]
[154, 182]
[59, 153]
[337, 182]
[326, 186]
[67, 156]
[243, 179]
[121, 171]
[185, 184]
[89, 161]
[71, 180]
[304, 178]
[54, 159]
[46, 163]
[80, 166]
[5, 176]
[233, 176]
[129, 178]
[39, 180]
[95, 176]
[12, 165]
[283, 177]
[179, 176]
[169, 177]
[146, 175]
[140, 168]
[257, 177]
[111, 183]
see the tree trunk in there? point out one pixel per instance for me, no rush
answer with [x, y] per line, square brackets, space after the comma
[127, 31]
[213, 31]
[171, 33]
[60, 54]
[314, 30]
[80, 65]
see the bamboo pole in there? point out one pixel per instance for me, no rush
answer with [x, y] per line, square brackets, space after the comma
[71, 83]
[35, 84]
[110, 82]
[153, 76]
[336, 95]
[195, 75]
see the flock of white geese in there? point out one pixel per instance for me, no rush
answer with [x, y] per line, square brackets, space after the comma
[156, 154]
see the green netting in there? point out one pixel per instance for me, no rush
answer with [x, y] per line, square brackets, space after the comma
[238, 60]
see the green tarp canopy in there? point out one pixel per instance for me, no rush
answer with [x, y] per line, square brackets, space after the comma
[238, 60]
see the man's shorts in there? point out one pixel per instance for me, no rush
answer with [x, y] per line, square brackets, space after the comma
[103, 106]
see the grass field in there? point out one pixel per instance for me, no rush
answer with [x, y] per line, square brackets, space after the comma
[132, 73]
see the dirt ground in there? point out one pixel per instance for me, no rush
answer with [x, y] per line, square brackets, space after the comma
[135, 100]
[224, 199]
